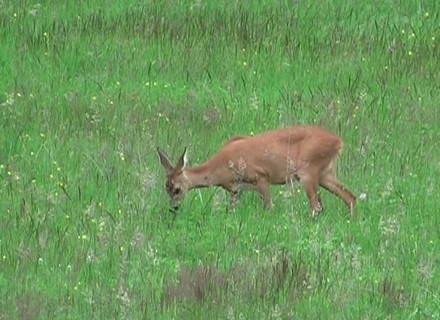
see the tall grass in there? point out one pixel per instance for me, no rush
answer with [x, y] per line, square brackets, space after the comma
[87, 93]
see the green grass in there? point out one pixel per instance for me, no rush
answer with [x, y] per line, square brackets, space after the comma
[87, 93]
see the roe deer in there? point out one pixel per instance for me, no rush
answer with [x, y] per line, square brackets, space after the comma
[304, 153]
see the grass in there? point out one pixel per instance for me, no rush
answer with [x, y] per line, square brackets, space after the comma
[88, 92]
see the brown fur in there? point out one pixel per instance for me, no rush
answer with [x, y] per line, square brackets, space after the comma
[255, 162]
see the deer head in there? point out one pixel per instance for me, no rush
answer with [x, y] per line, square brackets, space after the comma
[177, 184]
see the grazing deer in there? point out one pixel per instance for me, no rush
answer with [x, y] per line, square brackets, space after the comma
[255, 162]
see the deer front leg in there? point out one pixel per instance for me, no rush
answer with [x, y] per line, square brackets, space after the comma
[263, 188]
[234, 198]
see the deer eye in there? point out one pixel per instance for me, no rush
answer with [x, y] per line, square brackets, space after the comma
[177, 191]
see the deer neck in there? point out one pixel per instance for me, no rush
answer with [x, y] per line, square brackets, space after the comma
[202, 176]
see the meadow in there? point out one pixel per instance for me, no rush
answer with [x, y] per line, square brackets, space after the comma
[87, 93]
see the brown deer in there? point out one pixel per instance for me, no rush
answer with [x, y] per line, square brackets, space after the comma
[304, 153]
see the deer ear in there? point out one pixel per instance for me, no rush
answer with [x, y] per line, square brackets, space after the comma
[165, 161]
[183, 160]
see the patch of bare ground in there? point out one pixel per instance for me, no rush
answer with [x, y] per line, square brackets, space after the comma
[248, 280]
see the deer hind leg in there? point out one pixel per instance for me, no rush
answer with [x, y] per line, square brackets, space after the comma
[329, 182]
[311, 187]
